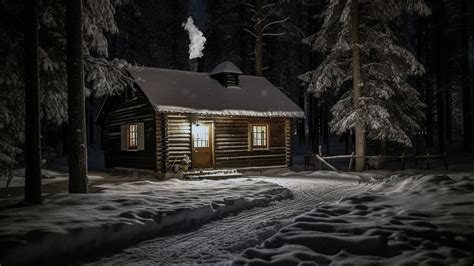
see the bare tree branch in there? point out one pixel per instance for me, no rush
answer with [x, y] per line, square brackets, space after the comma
[275, 22]
[250, 32]
[274, 34]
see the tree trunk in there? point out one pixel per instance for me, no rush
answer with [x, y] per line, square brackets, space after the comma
[466, 82]
[325, 128]
[448, 105]
[76, 99]
[32, 106]
[356, 79]
[440, 62]
[315, 124]
[259, 39]
[422, 49]
[383, 152]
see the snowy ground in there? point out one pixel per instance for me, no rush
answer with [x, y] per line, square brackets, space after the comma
[120, 215]
[420, 219]
[222, 240]
[49, 177]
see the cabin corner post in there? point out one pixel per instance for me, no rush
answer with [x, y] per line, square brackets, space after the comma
[166, 144]
[160, 137]
[289, 151]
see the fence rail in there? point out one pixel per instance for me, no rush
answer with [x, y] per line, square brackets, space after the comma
[320, 159]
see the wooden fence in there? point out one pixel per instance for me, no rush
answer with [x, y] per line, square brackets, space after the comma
[321, 160]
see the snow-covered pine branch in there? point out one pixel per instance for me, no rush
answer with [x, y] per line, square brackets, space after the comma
[98, 23]
[390, 108]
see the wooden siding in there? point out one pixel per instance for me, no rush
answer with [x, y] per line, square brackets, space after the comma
[231, 141]
[120, 112]
[168, 138]
[160, 142]
[289, 151]
[177, 139]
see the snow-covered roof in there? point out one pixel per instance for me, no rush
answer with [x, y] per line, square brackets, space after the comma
[226, 67]
[176, 91]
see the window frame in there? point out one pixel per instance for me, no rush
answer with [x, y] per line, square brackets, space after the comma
[266, 145]
[129, 139]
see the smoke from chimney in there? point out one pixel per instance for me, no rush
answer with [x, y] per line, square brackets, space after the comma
[196, 37]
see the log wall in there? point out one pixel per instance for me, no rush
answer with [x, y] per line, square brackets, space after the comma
[177, 139]
[119, 112]
[168, 139]
[231, 141]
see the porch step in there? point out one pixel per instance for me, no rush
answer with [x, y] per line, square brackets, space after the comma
[211, 174]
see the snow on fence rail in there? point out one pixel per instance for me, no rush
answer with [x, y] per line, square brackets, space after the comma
[321, 160]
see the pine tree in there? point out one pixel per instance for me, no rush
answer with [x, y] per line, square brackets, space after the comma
[225, 20]
[103, 76]
[466, 78]
[356, 83]
[78, 182]
[32, 103]
[389, 108]
[151, 33]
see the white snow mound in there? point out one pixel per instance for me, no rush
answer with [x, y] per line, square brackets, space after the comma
[424, 219]
[120, 215]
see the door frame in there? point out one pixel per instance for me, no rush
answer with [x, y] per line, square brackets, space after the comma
[211, 139]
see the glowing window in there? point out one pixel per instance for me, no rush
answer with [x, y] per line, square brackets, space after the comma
[200, 136]
[260, 136]
[132, 133]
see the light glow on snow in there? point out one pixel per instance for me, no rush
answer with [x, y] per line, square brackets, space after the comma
[122, 213]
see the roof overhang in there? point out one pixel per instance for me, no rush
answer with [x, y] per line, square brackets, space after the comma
[228, 112]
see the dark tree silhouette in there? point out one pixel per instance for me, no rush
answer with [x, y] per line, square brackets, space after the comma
[32, 102]
[356, 81]
[76, 99]
[466, 79]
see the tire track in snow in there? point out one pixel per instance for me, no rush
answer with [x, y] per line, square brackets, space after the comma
[221, 240]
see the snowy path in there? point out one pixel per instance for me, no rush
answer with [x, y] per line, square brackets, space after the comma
[221, 241]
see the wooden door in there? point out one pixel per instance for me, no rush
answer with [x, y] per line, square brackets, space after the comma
[202, 145]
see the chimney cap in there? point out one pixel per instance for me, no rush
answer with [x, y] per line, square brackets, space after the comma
[226, 67]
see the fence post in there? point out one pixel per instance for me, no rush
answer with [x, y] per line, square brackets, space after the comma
[428, 160]
[320, 152]
[402, 161]
[351, 162]
[445, 157]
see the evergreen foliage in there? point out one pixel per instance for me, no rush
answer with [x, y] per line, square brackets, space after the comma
[103, 76]
[390, 108]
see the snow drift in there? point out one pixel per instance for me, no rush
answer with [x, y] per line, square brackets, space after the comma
[122, 214]
[420, 219]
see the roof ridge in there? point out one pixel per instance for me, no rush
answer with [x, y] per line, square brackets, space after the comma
[168, 70]
[137, 70]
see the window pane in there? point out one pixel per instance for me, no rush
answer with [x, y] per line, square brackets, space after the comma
[259, 135]
[132, 136]
[200, 136]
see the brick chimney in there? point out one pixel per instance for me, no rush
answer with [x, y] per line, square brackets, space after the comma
[196, 64]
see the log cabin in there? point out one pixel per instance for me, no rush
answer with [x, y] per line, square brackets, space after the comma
[222, 119]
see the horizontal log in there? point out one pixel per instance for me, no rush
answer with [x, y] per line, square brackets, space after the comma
[178, 136]
[233, 135]
[251, 157]
[325, 162]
